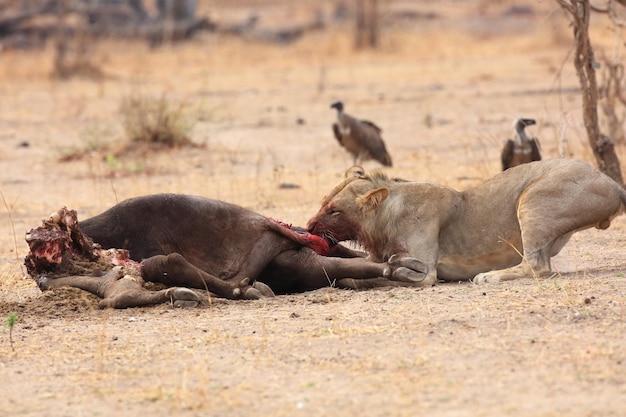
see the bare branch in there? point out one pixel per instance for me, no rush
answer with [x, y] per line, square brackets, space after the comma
[585, 64]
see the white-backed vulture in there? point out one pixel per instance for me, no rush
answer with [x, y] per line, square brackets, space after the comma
[360, 137]
[522, 149]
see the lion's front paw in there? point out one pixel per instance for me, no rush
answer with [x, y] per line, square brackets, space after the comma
[486, 277]
[405, 269]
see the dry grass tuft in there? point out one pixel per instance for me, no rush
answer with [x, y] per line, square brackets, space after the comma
[156, 121]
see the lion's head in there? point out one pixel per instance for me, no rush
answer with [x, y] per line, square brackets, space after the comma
[356, 209]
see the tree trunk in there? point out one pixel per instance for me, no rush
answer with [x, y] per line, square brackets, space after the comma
[585, 64]
[366, 29]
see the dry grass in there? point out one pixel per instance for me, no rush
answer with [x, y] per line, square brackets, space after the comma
[525, 348]
[155, 121]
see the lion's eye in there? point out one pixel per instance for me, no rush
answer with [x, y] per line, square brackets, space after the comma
[332, 212]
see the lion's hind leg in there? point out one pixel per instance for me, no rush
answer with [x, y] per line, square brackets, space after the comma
[539, 246]
[539, 243]
[550, 210]
[535, 264]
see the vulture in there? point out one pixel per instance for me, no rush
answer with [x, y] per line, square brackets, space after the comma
[360, 137]
[521, 150]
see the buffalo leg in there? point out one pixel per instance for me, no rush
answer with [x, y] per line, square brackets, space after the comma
[119, 291]
[96, 285]
[304, 269]
[175, 270]
[367, 283]
[126, 293]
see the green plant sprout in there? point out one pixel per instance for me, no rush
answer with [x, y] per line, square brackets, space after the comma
[10, 323]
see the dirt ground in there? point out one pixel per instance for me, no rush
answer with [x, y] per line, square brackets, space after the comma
[445, 91]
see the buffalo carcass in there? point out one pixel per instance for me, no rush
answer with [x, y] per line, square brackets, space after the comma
[194, 242]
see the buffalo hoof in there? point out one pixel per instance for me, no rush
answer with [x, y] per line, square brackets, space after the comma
[240, 291]
[254, 291]
[264, 289]
[252, 294]
[185, 304]
[405, 269]
[184, 297]
[258, 291]
[44, 283]
[113, 274]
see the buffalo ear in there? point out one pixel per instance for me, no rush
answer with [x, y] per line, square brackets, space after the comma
[373, 198]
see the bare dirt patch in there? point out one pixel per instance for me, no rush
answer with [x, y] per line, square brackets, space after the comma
[445, 93]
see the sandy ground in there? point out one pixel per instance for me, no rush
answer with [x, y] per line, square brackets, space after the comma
[446, 92]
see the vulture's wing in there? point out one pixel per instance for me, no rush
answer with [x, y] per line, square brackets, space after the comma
[368, 136]
[536, 149]
[373, 125]
[507, 154]
[337, 133]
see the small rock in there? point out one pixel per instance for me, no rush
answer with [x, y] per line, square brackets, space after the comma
[288, 186]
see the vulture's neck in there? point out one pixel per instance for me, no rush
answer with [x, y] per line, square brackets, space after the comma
[521, 134]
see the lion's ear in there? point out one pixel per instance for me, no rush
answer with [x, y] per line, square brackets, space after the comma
[354, 171]
[373, 198]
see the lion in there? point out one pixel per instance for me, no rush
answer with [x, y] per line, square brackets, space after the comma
[506, 228]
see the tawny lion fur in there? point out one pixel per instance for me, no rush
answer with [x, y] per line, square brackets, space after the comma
[506, 228]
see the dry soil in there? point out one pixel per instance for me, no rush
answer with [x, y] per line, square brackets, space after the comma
[445, 91]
